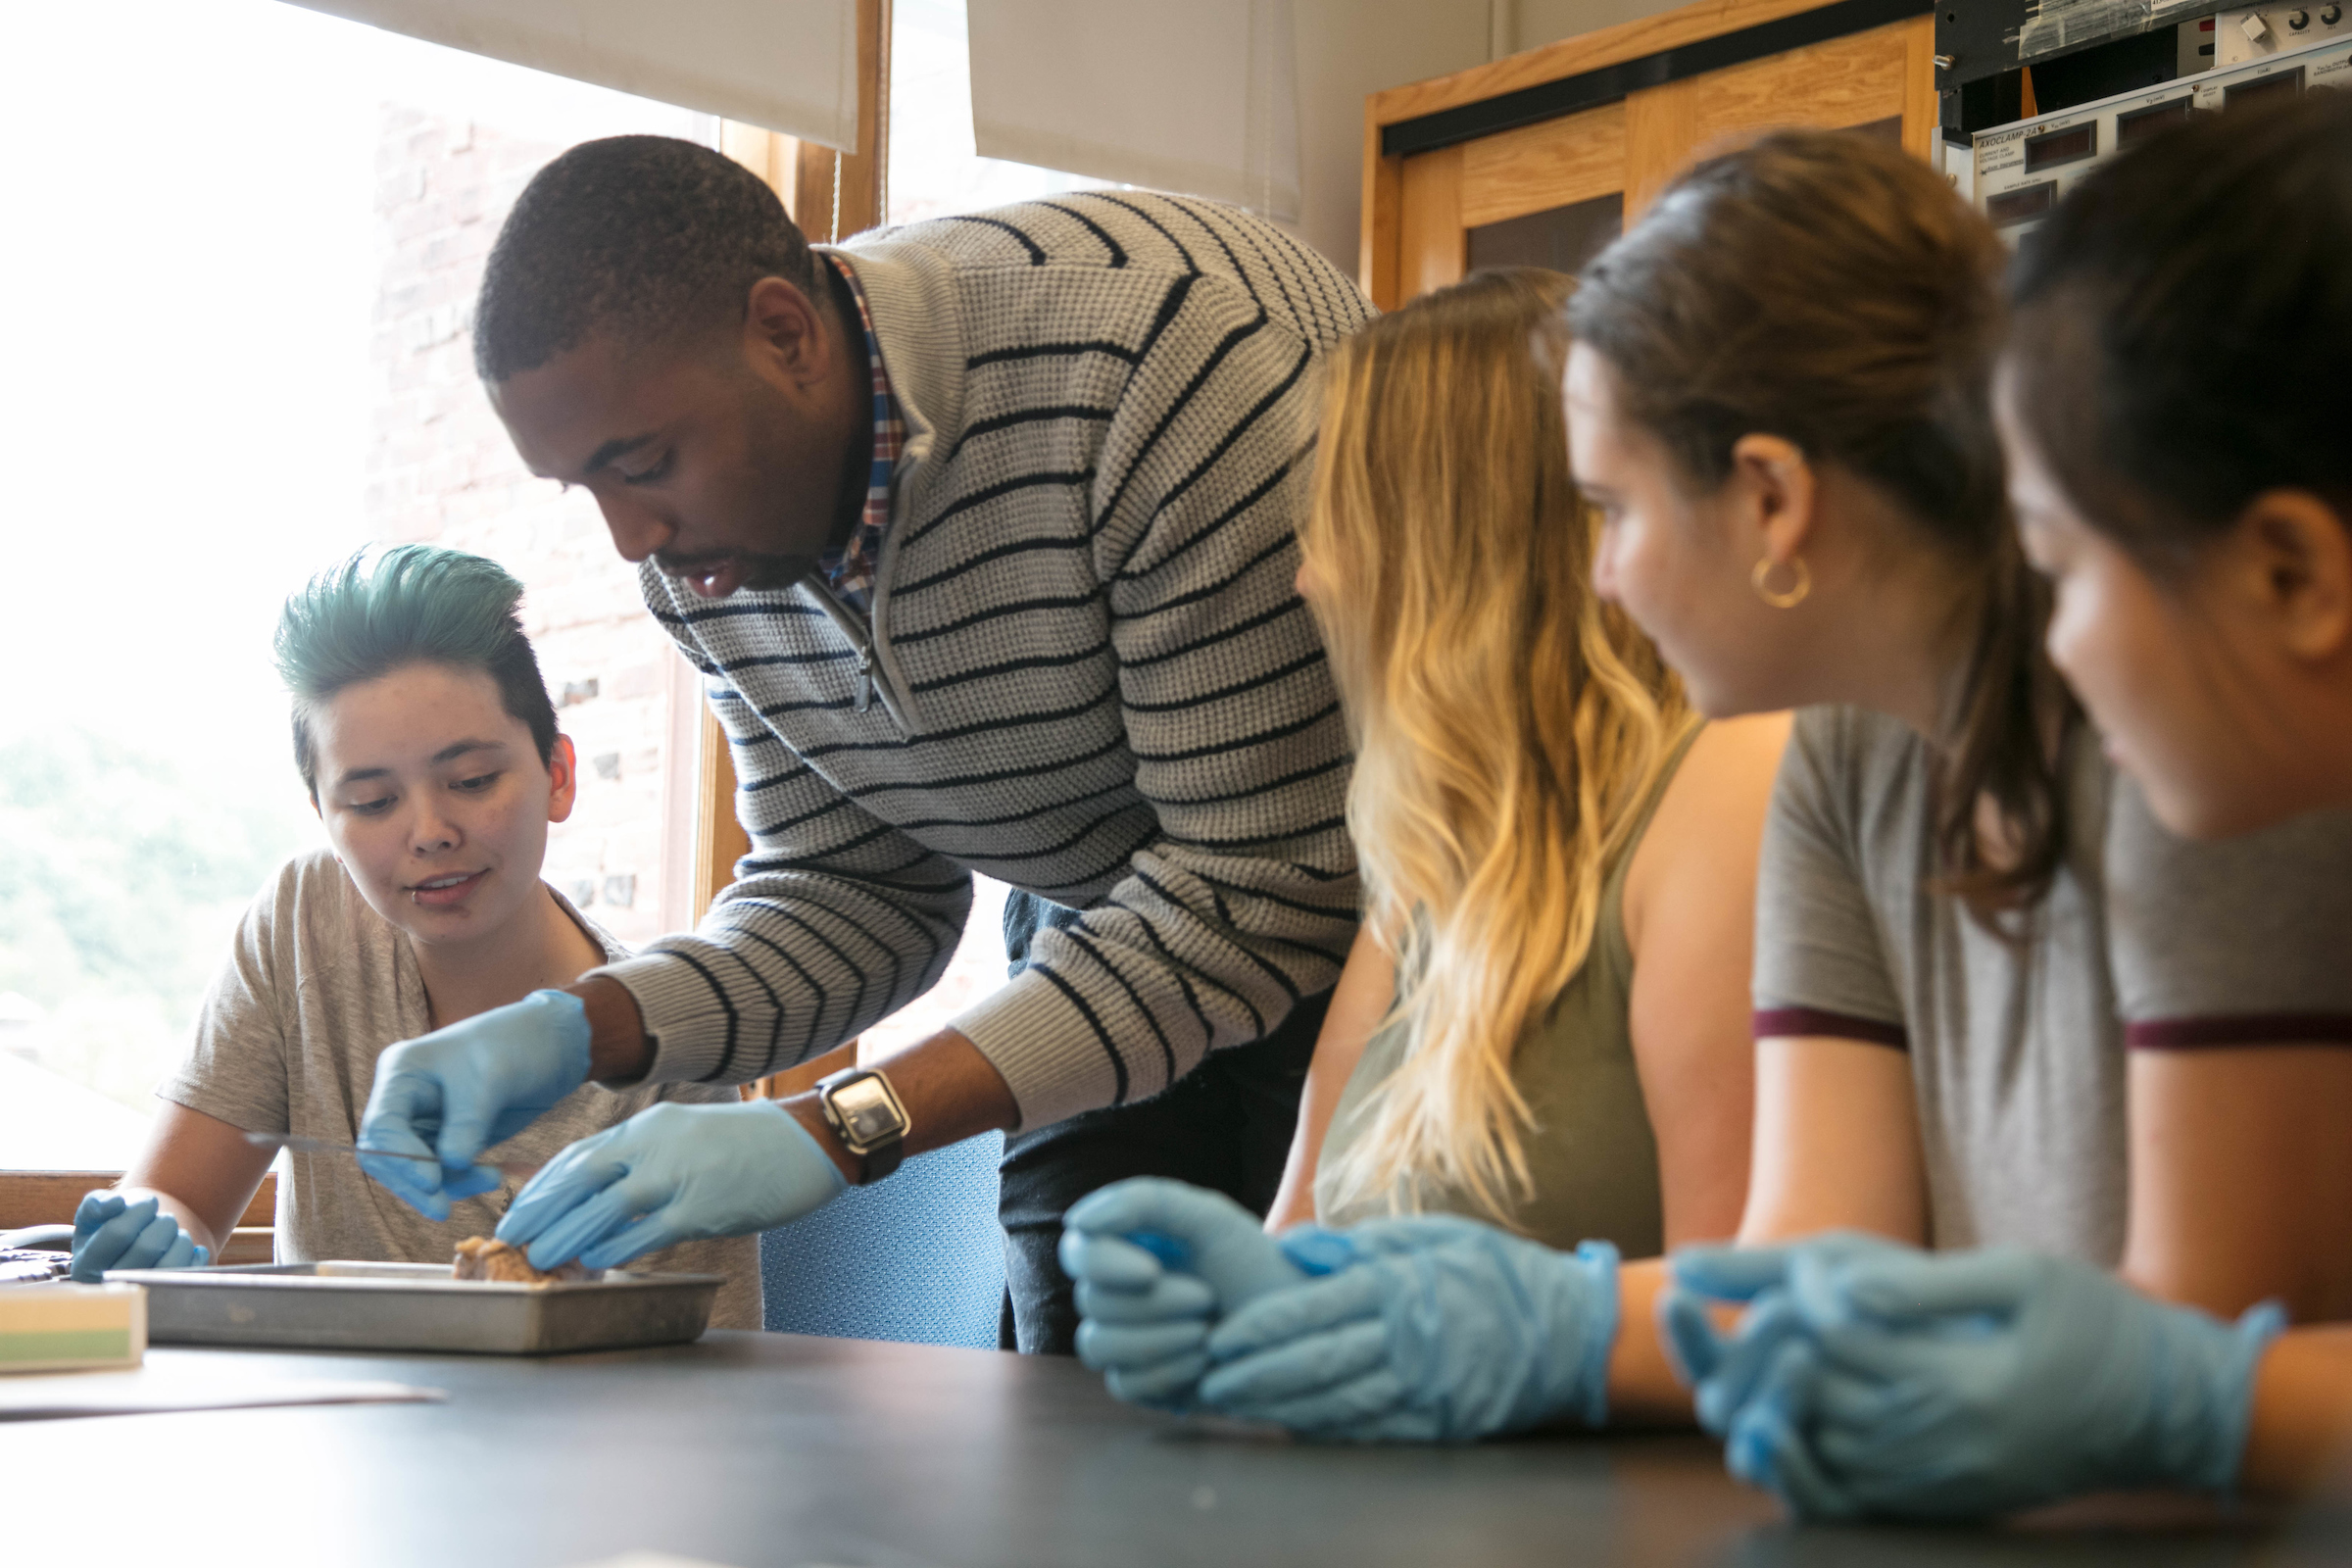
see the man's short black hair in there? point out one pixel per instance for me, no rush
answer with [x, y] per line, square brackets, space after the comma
[643, 237]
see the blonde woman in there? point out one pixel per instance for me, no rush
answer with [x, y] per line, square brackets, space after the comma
[1569, 1047]
[1544, 1020]
[1543, 1024]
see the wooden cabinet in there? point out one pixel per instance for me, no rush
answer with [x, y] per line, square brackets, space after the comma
[1541, 158]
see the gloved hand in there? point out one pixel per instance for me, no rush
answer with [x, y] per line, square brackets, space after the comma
[1724, 1372]
[1955, 1386]
[1155, 1260]
[455, 1091]
[114, 1231]
[1434, 1329]
[1142, 1325]
[671, 1173]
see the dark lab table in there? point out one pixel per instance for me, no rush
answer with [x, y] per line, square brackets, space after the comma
[756, 1449]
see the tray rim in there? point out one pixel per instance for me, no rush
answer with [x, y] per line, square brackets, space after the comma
[433, 1277]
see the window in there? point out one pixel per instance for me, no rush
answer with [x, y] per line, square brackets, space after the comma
[248, 358]
[933, 167]
[238, 350]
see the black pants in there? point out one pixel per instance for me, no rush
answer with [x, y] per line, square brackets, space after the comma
[1225, 1125]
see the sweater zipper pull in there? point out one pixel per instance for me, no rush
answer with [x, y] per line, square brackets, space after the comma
[865, 678]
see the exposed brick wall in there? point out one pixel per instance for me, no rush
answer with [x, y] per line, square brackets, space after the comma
[441, 470]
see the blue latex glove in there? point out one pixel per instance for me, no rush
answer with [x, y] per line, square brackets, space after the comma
[1190, 1229]
[1436, 1328]
[112, 1231]
[1960, 1385]
[671, 1173]
[1723, 1371]
[455, 1091]
[1155, 1260]
[1140, 1323]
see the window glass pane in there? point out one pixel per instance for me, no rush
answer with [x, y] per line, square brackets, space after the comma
[247, 240]
[933, 167]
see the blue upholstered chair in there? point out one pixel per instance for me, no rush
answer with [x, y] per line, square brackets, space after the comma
[918, 1258]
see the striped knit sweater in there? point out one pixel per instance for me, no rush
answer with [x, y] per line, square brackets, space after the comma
[1090, 673]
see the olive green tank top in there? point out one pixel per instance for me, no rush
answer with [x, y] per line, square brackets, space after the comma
[1591, 1152]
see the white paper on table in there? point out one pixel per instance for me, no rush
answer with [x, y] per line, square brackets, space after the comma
[54, 1395]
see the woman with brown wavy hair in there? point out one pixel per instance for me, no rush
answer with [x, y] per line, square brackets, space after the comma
[1539, 1042]
[1781, 399]
[2170, 398]
[1539, 1025]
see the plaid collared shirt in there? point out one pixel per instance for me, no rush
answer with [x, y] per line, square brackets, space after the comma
[850, 570]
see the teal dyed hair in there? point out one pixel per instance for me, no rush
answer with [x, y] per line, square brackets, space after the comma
[381, 610]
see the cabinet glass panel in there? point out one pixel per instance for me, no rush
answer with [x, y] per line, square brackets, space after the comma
[1562, 238]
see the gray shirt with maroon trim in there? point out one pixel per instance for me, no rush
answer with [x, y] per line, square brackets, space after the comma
[2016, 1047]
[316, 986]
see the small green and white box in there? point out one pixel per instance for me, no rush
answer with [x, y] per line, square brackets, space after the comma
[72, 1328]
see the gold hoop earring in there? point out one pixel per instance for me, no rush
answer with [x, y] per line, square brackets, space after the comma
[1786, 598]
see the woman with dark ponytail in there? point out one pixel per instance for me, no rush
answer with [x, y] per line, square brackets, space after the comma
[1781, 397]
[2173, 402]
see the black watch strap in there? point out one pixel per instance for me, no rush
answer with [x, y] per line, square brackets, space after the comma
[876, 1163]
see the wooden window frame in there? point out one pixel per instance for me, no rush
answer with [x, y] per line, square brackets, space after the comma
[831, 195]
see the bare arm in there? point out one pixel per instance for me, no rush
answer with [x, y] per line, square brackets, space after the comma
[2241, 1178]
[1366, 990]
[1836, 1143]
[1689, 919]
[800, 1080]
[1835, 1148]
[202, 1171]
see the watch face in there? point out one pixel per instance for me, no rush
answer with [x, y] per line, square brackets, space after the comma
[868, 1112]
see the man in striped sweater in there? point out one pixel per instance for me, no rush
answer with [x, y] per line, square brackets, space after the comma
[981, 534]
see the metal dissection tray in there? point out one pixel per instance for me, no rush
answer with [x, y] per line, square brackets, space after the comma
[417, 1306]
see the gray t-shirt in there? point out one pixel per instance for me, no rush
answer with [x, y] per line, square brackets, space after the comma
[2237, 942]
[316, 986]
[2017, 1050]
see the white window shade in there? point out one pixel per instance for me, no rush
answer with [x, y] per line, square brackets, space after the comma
[1199, 97]
[786, 65]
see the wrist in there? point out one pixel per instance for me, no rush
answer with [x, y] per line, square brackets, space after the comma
[618, 1051]
[811, 1114]
[1592, 1328]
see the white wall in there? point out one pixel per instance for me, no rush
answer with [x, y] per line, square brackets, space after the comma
[1539, 22]
[1349, 49]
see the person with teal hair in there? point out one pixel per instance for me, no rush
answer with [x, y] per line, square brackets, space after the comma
[425, 736]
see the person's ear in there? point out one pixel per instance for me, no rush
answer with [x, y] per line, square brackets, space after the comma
[1776, 490]
[2300, 560]
[563, 777]
[784, 333]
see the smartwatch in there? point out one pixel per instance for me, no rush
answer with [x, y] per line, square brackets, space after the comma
[864, 1112]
